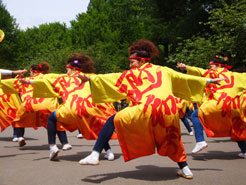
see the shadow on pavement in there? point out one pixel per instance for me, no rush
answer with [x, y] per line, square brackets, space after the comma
[14, 155]
[80, 155]
[145, 173]
[209, 155]
[220, 141]
[10, 139]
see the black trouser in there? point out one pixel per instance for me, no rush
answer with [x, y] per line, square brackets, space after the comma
[242, 146]
[19, 131]
[51, 130]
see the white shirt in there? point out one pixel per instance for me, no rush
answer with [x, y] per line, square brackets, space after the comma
[5, 72]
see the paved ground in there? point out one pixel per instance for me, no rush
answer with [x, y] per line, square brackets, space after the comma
[218, 164]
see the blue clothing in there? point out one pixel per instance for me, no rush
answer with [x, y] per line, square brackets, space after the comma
[242, 146]
[19, 131]
[51, 130]
[198, 128]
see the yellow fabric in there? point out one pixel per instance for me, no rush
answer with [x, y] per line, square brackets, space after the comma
[33, 112]
[181, 104]
[105, 89]
[220, 110]
[43, 87]
[1, 35]
[9, 104]
[9, 86]
[152, 118]
[77, 111]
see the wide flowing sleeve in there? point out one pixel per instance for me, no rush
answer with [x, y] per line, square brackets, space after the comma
[8, 86]
[42, 88]
[196, 71]
[104, 89]
[187, 86]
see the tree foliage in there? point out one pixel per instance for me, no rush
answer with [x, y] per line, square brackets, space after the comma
[8, 46]
[228, 35]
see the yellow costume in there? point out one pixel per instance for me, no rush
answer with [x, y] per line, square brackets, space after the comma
[220, 110]
[77, 110]
[152, 118]
[9, 104]
[32, 112]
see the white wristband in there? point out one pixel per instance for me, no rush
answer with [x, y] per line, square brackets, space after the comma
[209, 80]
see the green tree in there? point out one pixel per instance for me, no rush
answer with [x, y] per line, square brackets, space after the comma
[49, 42]
[8, 47]
[228, 35]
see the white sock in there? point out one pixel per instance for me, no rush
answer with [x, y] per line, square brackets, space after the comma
[109, 155]
[95, 155]
[52, 146]
[91, 159]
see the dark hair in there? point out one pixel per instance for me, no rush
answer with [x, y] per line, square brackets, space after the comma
[82, 62]
[220, 58]
[43, 67]
[143, 48]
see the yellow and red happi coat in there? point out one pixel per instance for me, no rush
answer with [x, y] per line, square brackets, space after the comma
[182, 105]
[33, 112]
[220, 110]
[152, 118]
[9, 104]
[77, 110]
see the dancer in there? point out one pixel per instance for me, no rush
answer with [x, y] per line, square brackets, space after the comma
[33, 112]
[9, 102]
[219, 113]
[77, 110]
[151, 120]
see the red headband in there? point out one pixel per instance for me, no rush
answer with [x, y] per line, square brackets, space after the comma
[71, 67]
[139, 58]
[225, 65]
[36, 71]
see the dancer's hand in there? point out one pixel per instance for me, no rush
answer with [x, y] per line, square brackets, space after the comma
[83, 78]
[216, 80]
[19, 72]
[181, 66]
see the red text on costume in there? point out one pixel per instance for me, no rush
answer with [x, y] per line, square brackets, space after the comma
[213, 88]
[135, 82]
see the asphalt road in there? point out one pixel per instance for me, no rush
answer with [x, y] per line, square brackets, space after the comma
[218, 164]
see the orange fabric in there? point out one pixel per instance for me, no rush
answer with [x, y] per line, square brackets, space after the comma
[157, 130]
[78, 111]
[9, 104]
[181, 104]
[220, 112]
[34, 112]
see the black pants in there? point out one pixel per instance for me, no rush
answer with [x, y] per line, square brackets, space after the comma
[19, 131]
[242, 146]
[51, 130]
